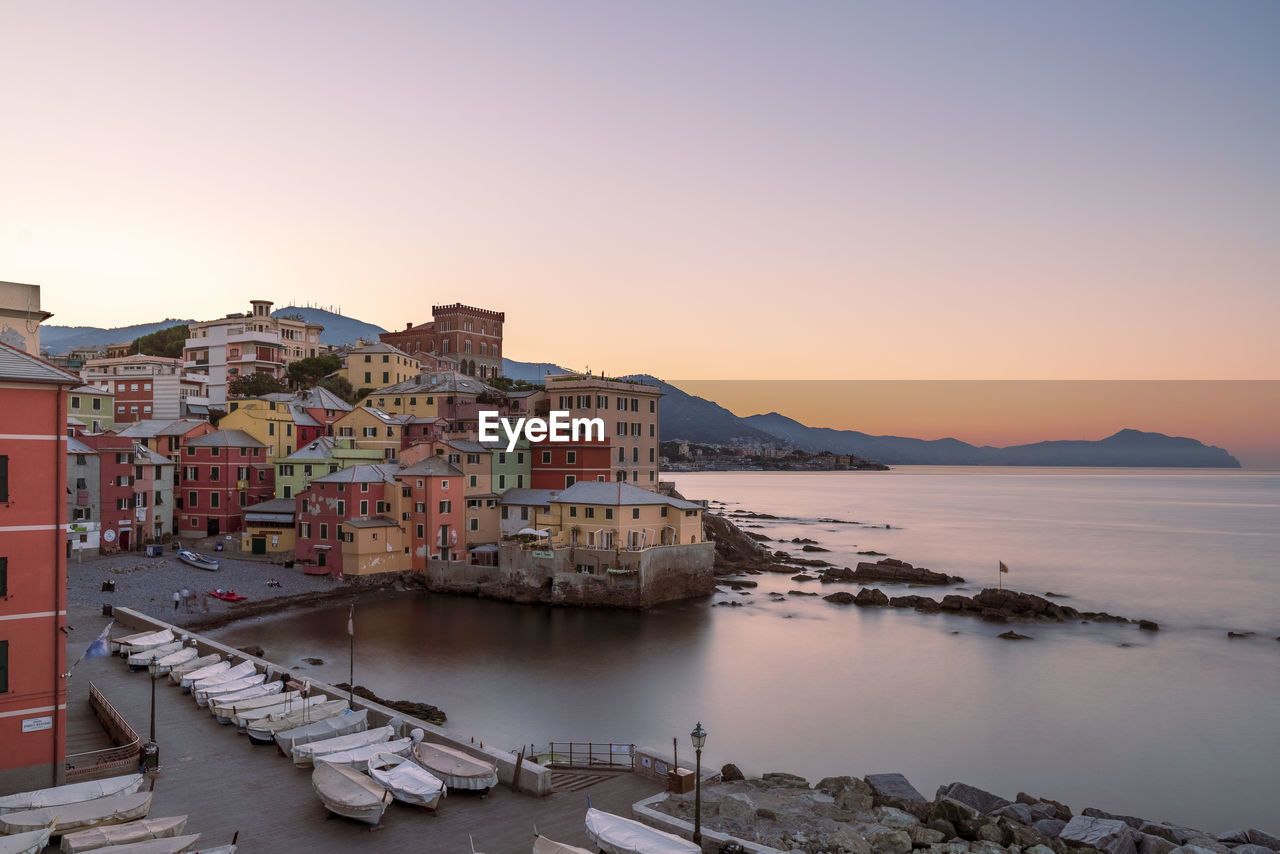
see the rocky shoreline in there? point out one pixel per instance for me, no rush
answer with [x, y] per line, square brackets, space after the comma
[885, 814]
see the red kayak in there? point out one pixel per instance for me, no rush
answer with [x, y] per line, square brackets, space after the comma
[227, 595]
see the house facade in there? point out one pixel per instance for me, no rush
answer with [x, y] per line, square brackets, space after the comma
[223, 472]
[471, 336]
[145, 386]
[630, 414]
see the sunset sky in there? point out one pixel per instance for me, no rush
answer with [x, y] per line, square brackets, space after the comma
[714, 190]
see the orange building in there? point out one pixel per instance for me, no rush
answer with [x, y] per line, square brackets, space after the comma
[33, 570]
[471, 336]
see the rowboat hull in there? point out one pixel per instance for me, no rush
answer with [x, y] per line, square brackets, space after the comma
[406, 780]
[74, 793]
[197, 560]
[122, 834]
[456, 769]
[350, 794]
[31, 842]
[115, 809]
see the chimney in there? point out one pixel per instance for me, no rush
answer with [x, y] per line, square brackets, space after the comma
[408, 326]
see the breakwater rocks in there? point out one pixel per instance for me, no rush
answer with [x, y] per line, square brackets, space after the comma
[421, 711]
[889, 570]
[991, 605]
[885, 814]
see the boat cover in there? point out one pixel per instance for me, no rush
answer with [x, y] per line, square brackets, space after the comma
[283, 705]
[304, 753]
[188, 677]
[359, 757]
[241, 670]
[456, 769]
[109, 810]
[405, 779]
[267, 727]
[146, 641]
[345, 789]
[31, 842]
[73, 793]
[230, 686]
[173, 659]
[272, 694]
[614, 834]
[147, 656]
[179, 670]
[543, 845]
[320, 730]
[125, 640]
[252, 692]
[119, 834]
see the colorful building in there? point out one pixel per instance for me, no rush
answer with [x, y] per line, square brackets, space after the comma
[278, 421]
[147, 386]
[90, 409]
[472, 336]
[325, 508]
[84, 497]
[33, 567]
[619, 516]
[560, 465]
[135, 493]
[379, 365]
[318, 458]
[270, 527]
[630, 414]
[223, 472]
[167, 438]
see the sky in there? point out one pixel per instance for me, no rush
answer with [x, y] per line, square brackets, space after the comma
[718, 190]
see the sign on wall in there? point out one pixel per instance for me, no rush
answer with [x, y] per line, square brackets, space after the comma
[37, 724]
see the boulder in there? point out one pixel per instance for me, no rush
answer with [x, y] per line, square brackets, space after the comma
[946, 828]
[835, 574]
[1250, 836]
[1173, 833]
[1050, 827]
[1204, 840]
[895, 818]
[842, 836]
[1038, 849]
[989, 831]
[972, 796]
[922, 837]
[1193, 849]
[951, 810]
[1063, 811]
[894, 786]
[841, 598]
[853, 800]
[1043, 810]
[949, 848]
[1248, 848]
[782, 779]
[1149, 625]
[1132, 821]
[1106, 834]
[1149, 844]
[1012, 635]
[833, 786]
[884, 840]
[889, 569]
[731, 773]
[738, 809]
[871, 597]
[913, 808]
[984, 846]
[1015, 811]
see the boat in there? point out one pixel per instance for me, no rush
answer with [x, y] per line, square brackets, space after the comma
[120, 834]
[227, 595]
[204, 696]
[187, 677]
[360, 757]
[161, 666]
[164, 845]
[124, 640]
[222, 677]
[348, 793]
[456, 769]
[197, 560]
[264, 731]
[225, 708]
[244, 695]
[113, 809]
[30, 842]
[406, 780]
[543, 845]
[303, 754]
[614, 834]
[138, 643]
[244, 718]
[140, 660]
[177, 671]
[346, 723]
[73, 793]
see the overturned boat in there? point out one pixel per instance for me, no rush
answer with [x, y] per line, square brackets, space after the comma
[70, 794]
[456, 769]
[31, 842]
[359, 757]
[177, 671]
[264, 731]
[140, 643]
[406, 780]
[194, 675]
[543, 845]
[122, 834]
[113, 809]
[204, 696]
[164, 845]
[348, 793]
[244, 718]
[614, 834]
[226, 708]
[305, 754]
[344, 723]
[239, 671]
[143, 659]
[161, 666]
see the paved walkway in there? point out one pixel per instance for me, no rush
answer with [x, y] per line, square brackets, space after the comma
[226, 784]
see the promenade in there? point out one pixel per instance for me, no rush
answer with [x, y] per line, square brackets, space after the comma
[225, 785]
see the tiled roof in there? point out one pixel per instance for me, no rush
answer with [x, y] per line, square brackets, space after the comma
[362, 473]
[225, 439]
[617, 495]
[381, 347]
[318, 449]
[371, 522]
[274, 505]
[19, 366]
[75, 446]
[537, 497]
[432, 467]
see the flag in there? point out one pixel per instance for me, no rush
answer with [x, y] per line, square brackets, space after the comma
[1003, 568]
[100, 648]
[351, 622]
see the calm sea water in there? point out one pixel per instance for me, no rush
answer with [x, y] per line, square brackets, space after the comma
[1182, 725]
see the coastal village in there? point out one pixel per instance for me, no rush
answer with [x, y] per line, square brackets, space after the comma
[365, 464]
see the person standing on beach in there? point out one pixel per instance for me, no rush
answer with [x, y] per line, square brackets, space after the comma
[186, 599]
[177, 597]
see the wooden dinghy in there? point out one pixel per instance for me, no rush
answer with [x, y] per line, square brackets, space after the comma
[114, 809]
[120, 834]
[177, 671]
[241, 670]
[346, 723]
[117, 643]
[196, 674]
[614, 834]
[458, 770]
[198, 560]
[162, 666]
[31, 842]
[139, 643]
[406, 780]
[224, 709]
[165, 845]
[348, 793]
[206, 695]
[254, 692]
[284, 704]
[70, 794]
[305, 754]
[140, 660]
[264, 731]
[359, 757]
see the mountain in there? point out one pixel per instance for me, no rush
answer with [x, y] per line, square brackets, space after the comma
[530, 372]
[338, 329]
[1125, 448]
[696, 419]
[62, 339]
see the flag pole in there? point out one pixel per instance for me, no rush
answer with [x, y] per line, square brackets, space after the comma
[351, 656]
[999, 578]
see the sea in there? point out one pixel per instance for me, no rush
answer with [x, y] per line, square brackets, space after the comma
[1180, 725]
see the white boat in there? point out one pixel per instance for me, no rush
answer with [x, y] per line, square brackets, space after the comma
[165, 845]
[225, 708]
[137, 643]
[177, 671]
[406, 780]
[205, 696]
[359, 757]
[198, 560]
[162, 666]
[285, 703]
[347, 792]
[614, 834]
[345, 723]
[120, 834]
[221, 849]
[457, 770]
[139, 660]
[303, 754]
[30, 842]
[71, 794]
[244, 695]
[241, 670]
[543, 845]
[124, 640]
[113, 809]
[264, 731]
[185, 679]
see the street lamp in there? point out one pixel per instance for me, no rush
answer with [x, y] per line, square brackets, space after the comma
[699, 738]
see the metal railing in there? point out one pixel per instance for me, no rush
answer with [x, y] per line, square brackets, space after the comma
[589, 754]
[122, 757]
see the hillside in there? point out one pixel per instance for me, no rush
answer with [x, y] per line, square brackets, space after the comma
[338, 328]
[57, 340]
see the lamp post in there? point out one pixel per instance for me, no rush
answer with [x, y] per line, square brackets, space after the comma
[699, 738]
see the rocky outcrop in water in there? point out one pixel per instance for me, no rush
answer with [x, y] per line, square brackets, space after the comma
[421, 711]
[890, 570]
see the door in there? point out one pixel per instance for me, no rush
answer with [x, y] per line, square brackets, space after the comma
[213, 526]
[124, 539]
[321, 554]
[259, 545]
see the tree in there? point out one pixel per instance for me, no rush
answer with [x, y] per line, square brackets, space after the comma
[306, 373]
[256, 385]
[340, 386]
[167, 342]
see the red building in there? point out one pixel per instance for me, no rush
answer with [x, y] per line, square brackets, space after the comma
[222, 473]
[33, 570]
[135, 492]
[336, 499]
[561, 465]
[472, 336]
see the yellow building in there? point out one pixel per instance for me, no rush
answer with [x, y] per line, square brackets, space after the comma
[375, 544]
[276, 420]
[598, 515]
[373, 429]
[269, 527]
[379, 365]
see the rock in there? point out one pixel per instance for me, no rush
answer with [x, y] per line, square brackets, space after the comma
[913, 808]
[984, 846]
[806, 593]
[781, 779]
[989, 831]
[1239, 634]
[1038, 849]
[842, 836]
[1244, 849]
[1015, 811]
[1173, 833]
[922, 836]
[255, 651]
[1203, 840]
[893, 786]
[950, 848]
[1149, 844]
[946, 828]
[1193, 849]
[836, 573]
[1132, 821]
[738, 809]
[1251, 836]
[895, 818]
[1105, 834]
[802, 540]
[730, 773]
[889, 569]
[871, 597]
[952, 811]
[314, 661]
[1050, 827]
[812, 548]
[884, 840]
[972, 796]
[1062, 810]
[1012, 635]
[1042, 810]
[803, 577]
[841, 598]
[1149, 625]
[852, 800]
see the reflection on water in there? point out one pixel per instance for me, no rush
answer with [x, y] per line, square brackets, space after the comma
[1179, 725]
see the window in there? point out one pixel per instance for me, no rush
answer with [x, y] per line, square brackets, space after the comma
[608, 512]
[546, 457]
[573, 511]
[446, 506]
[214, 499]
[422, 531]
[664, 510]
[504, 512]
[288, 492]
[342, 507]
[475, 523]
[4, 576]
[324, 531]
[571, 457]
[215, 474]
[502, 481]
[524, 514]
[193, 500]
[635, 512]
[364, 508]
[75, 402]
[4, 666]
[569, 480]
[81, 483]
[305, 530]
[473, 480]
[622, 455]
[97, 404]
[589, 512]
[653, 406]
